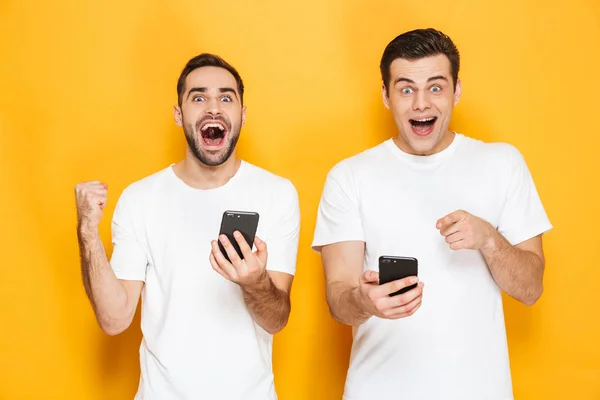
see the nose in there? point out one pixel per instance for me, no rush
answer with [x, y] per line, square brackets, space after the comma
[213, 107]
[422, 101]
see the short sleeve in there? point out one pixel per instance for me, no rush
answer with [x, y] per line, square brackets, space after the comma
[128, 259]
[283, 233]
[338, 217]
[523, 216]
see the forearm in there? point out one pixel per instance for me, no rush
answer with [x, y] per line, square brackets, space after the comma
[344, 304]
[107, 296]
[517, 272]
[268, 305]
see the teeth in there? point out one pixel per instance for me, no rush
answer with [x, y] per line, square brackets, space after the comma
[219, 126]
[424, 120]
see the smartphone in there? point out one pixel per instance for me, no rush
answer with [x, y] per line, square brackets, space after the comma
[392, 268]
[246, 222]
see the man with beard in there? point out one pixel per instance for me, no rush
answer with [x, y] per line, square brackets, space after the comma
[470, 214]
[207, 323]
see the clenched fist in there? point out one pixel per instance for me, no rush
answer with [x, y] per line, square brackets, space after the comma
[90, 198]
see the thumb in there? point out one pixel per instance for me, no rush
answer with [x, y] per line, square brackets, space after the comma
[261, 249]
[370, 276]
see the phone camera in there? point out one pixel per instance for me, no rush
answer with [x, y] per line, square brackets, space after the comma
[229, 215]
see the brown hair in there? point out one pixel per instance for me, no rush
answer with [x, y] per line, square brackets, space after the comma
[207, 60]
[417, 44]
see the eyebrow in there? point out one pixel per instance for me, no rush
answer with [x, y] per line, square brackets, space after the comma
[433, 78]
[204, 90]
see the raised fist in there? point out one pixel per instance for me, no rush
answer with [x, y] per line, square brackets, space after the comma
[90, 198]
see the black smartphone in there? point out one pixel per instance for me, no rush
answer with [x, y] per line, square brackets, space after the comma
[392, 268]
[246, 222]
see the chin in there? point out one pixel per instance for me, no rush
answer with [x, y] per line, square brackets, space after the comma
[211, 159]
[424, 144]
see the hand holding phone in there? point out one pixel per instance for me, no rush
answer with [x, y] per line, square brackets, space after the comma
[388, 294]
[375, 299]
[393, 268]
[243, 221]
[232, 256]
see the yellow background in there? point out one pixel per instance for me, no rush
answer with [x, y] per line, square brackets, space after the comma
[86, 92]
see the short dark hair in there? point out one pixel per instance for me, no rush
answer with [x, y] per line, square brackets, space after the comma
[207, 60]
[417, 44]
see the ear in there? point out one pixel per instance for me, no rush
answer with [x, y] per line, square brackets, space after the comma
[177, 115]
[243, 116]
[457, 91]
[384, 95]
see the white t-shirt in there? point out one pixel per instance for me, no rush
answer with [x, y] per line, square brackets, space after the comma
[454, 347]
[199, 341]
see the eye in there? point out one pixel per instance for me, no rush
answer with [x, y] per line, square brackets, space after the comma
[406, 90]
[198, 99]
[226, 99]
[435, 89]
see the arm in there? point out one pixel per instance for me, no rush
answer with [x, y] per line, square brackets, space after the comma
[114, 302]
[268, 300]
[353, 296]
[266, 293]
[518, 270]
[343, 264]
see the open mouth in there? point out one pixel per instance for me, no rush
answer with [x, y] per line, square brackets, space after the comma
[423, 126]
[213, 133]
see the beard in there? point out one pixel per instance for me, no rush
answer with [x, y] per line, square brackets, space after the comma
[211, 158]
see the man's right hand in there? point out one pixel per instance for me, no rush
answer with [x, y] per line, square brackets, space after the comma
[91, 199]
[376, 300]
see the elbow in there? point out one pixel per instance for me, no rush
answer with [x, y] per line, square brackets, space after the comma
[277, 325]
[272, 330]
[533, 296]
[113, 329]
[529, 301]
[336, 316]
[343, 321]
[113, 326]
[536, 289]
[332, 310]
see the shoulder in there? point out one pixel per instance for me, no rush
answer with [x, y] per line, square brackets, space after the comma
[496, 153]
[269, 182]
[144, 187]
[349, 167]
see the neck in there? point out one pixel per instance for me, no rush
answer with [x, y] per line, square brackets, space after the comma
[201, 176]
